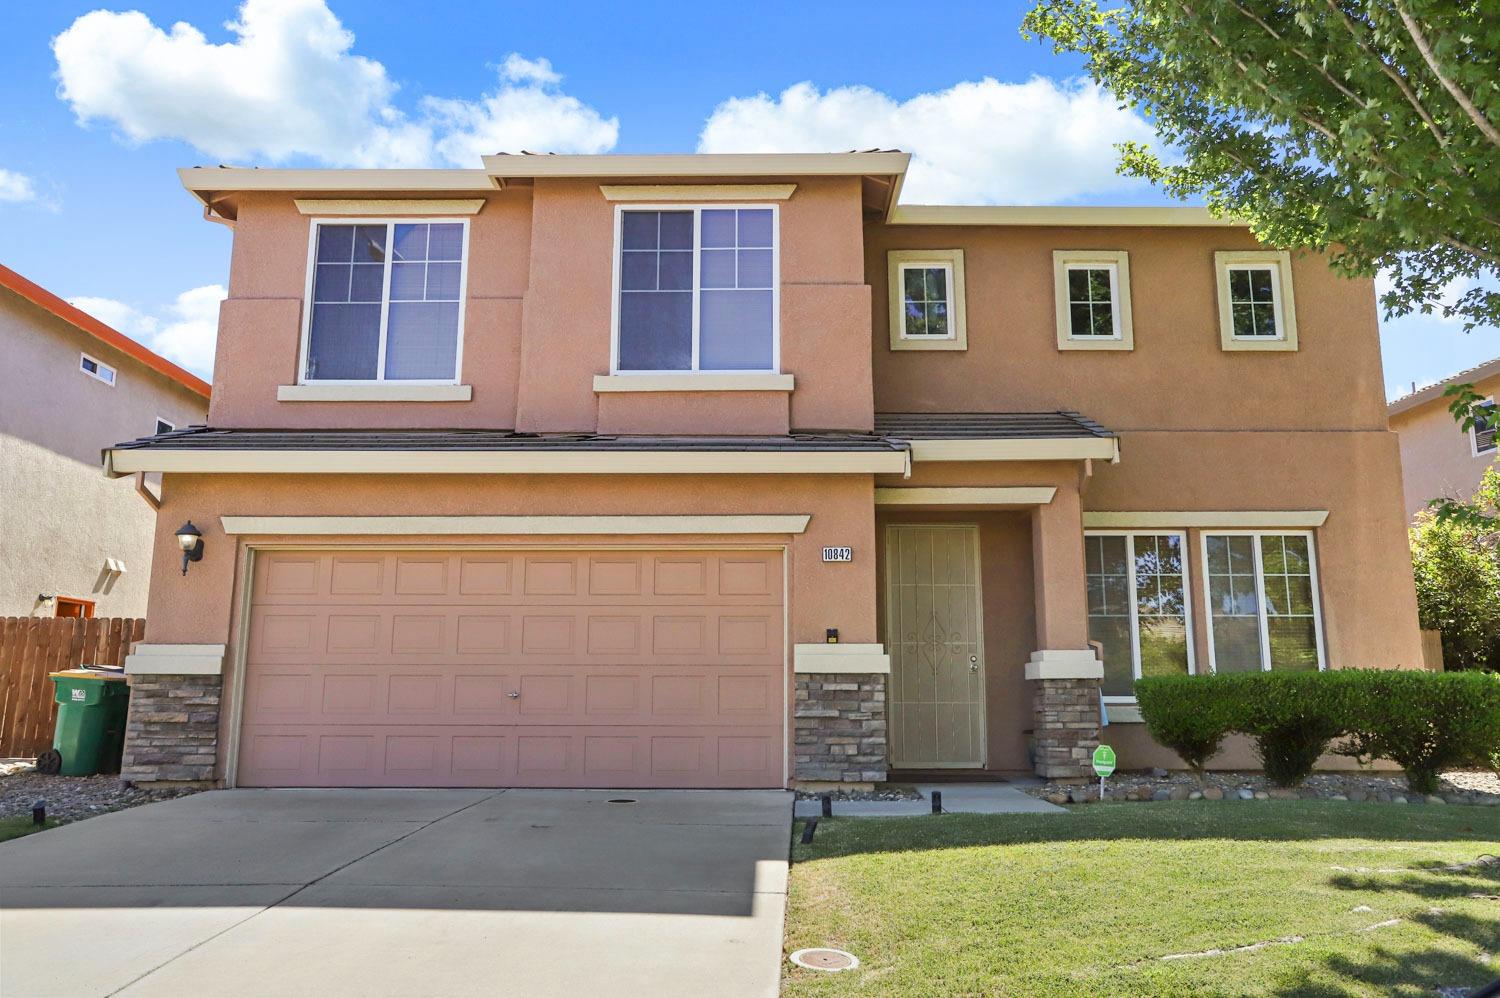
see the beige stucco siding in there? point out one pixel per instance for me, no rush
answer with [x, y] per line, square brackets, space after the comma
[60, 518]
[1437, 458]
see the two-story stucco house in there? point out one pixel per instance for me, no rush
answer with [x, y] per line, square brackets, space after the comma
[730, 471]
[72, 543]
[1439, 459]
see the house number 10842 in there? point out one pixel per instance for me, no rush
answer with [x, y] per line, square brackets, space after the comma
[838, 554]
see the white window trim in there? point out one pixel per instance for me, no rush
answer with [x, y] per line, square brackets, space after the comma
[1117, 262]
[1474, 435]
[160, 422]
[385, 300]
[697, 210]
[1187, 598]
[113, 373]
[1280, 263]
[1260, 593]
[952, 260]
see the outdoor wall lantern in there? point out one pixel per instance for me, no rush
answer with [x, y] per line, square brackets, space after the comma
[190, 539]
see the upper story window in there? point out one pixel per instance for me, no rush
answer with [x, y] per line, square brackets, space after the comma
[1482, 433]
[1256, 307]
[163, 426]
[698, 290]
[386, 302]
[927, 300]
[1092, 291]
[96, 369]
[1262, 593]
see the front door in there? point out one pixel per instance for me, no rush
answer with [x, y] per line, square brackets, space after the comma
[933, 630]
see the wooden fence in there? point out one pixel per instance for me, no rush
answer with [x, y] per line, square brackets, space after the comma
[1432, 650]
[32, 647]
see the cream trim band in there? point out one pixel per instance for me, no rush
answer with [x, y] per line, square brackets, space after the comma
[693, 383]
[1064, 664]
[175, 660]
[1033, 449]
[511, 525]
[121, 462]
[959, 214]
[1208, 519]
[374, 393]
[961, 496]
[841, 658]
[697, 192]
[375, 207]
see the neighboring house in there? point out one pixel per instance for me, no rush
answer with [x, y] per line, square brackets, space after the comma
[72, 542]
[1439, 459]
[569, 470]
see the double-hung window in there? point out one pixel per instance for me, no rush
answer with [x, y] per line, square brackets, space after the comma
[1256, 307]
[1482, 433]
[698, 290]
[1262, 595]
[1092, 288]
[385, 302]
[1138, 607]
[927, 300]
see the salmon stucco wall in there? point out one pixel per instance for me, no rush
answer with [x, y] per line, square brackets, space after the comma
[1437, 457]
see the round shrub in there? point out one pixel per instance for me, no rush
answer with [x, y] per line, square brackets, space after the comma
[1188, 714]
[1425, 722]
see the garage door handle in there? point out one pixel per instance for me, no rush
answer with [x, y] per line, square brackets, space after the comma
[514, 694]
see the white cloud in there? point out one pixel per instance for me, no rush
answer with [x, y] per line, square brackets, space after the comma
[1015, 143]
[289, 85]
[16, 187]
[184, 331]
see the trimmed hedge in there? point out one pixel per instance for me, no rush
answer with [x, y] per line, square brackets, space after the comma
[1425, 722]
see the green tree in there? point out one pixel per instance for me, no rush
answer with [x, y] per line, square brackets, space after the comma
[1366, 129]
[1456, 563]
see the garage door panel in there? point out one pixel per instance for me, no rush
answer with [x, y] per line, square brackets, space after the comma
[439, 668]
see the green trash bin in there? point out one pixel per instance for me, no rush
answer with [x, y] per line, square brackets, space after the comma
[90, 733]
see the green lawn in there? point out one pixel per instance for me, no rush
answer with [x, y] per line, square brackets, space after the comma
[1089, 902]
[14, 828]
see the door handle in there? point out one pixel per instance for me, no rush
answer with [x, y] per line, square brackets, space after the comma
[514, 694]
[973, 663]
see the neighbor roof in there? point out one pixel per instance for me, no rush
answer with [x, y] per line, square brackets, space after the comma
[49, 302]
[1412, 400]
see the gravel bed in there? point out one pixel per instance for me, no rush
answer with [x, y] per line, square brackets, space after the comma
[1457, 787]
[891, 791]
[71, 798]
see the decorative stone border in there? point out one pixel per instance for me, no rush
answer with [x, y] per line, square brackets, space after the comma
[1159, 785]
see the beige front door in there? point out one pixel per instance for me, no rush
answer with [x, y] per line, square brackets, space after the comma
[937, 649]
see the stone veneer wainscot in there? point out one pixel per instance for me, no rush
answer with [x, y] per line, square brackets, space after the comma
[840, 727]
[172, 734]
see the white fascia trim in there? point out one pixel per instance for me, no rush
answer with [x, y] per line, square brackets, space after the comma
[1055, 663]
[512, 525]
[1039, 449]
[204, 180]
[120, 462]
[378, 207]
[1235, 519]
[374, 393]
[853, 658]
[963, 496]
[694, 383]
[175, 660]
[697, 192]
[940, 214]
[851, 164]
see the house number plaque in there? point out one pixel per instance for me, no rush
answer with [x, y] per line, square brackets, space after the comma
[838, 554]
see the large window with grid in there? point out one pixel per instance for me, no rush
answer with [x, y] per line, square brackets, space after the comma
[1137, 607]
[1482, 439]
[698, 290]
[1262, 597]
[385, 302]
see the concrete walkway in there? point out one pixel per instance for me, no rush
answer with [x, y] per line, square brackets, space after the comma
[958, 798]
[403, 893]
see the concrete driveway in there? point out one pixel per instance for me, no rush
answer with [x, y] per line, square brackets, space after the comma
[403, 892]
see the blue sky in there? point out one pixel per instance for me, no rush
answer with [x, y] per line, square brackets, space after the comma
[97, 122]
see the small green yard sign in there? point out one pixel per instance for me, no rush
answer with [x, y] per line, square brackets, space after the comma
[1104, 761]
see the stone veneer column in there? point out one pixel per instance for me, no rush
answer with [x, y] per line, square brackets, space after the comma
[839, 714]
[172, 732]
[1066, 712]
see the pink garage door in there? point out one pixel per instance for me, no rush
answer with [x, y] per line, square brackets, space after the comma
[514, 669]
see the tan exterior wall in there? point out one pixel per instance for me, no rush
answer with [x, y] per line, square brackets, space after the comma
[1437, 458]
[537, 323]
[203, 607]
[60, 518]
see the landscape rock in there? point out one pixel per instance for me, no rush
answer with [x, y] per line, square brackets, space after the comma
[1213, 793]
